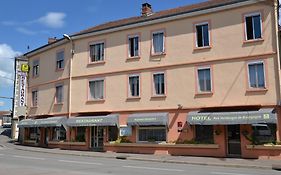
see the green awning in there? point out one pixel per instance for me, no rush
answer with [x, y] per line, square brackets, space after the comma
[264, 115]
[51, 122]
[108, 120]
[47, 122]
[26, 123]
[146, 119]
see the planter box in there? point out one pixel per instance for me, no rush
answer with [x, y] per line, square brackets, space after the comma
[264, 147]
[168, 145]
[67, 143]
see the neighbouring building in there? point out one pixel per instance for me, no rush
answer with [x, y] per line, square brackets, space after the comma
[199, 80]
[5, 118]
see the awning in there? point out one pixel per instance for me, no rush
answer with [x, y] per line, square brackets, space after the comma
[26, 123]
[47, 122]
[265, 115]
[108, 120]
[51, 122]
[146, 119]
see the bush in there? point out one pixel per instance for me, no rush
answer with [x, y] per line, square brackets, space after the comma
[122, 139]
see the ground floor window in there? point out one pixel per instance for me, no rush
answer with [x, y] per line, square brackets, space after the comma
[32, 133]
[204, 134]
[264, 133]
[152, 134]
[112, 133]
[80, 134]
[58, 133]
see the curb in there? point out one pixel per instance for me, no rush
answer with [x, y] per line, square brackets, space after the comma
[127, 157]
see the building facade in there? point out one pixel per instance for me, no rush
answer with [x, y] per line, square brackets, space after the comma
[199, 80]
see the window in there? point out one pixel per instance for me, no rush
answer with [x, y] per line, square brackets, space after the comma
[96, 89]
[97, 52]
[202, 35]
[152, 134]
[204, 79]
[264, 133]
[134, 86]
[59, 94]
[253, 26]
[134, 46]
[34, 98]
[32, 133]
[256, 75]
[60, 60]
[204, 134]
[158, 42]
[35, 68]
[159, 83]
[58, 133]
[80, 136]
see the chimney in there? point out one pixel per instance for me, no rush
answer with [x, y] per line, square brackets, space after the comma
[51, 40]
[146, 9]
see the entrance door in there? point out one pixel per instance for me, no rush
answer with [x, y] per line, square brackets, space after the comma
[97, 138]
[233, 140]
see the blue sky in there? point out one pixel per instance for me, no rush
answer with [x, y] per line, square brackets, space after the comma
[31, 22]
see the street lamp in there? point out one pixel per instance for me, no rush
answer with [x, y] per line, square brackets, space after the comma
[66, 36]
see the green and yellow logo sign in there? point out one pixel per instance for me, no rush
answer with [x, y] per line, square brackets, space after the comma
[24, 67]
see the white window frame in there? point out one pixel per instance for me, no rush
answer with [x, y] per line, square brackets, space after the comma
[248, 72]
[95, 43]
[129, 50]
[90, 98]
[129, 90]
[62, 95]
[245, 25]
[33, 100]
[198, 81]
[152, 127]
[165, 88]
[164, 40]
[209, 33]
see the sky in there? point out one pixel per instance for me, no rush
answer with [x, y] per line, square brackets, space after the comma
[29, 24]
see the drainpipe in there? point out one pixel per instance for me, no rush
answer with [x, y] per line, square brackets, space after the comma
[277, 68]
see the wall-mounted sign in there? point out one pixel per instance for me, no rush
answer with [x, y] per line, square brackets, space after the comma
[24, 67]
[22, 90]
[125, 131]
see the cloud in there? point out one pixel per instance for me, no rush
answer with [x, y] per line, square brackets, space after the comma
[2, 103]
[7, 64]
[53, 19]
[25, 31]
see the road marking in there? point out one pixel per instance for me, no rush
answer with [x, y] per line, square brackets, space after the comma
[151, 168]
[225, 173]
[87, 163]
[27, 157]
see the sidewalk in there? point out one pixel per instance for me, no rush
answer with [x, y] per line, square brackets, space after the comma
[226, 162]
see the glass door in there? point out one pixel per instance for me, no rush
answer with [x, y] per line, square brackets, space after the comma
[97, 137]
[233, 140]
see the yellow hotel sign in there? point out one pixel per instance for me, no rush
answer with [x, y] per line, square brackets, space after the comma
[24, 68]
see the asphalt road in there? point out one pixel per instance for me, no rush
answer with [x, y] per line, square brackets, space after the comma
[15, 162]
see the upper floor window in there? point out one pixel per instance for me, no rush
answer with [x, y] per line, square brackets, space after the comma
[34, 99]
[97, 52]
[204, 79]
[96, 88]
[256, 75]
[133, 46]
[158, 45]
[253, 26]
[60, 60]
[159, 83]
[35, 68]
[202, 35]
[134, 86]
[59, 93]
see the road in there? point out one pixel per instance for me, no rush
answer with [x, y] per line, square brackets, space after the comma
[14, 162]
